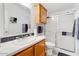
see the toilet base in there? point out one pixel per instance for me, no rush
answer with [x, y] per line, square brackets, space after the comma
[51, 52]
[50, 49]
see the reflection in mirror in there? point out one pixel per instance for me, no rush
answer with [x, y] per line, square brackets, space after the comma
[16, 14]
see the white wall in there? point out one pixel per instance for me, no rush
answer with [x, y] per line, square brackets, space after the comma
[1, 19]
[33, 14]
[76, 17]
[65, 24]
[51, 26]
[23, 17]
[51, 29]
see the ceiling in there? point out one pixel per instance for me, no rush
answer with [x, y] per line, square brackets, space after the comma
[56, 7]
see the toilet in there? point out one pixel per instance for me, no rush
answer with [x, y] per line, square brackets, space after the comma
[50, 49]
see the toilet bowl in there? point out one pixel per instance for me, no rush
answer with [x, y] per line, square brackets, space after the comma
[50, 49]
[50, 45]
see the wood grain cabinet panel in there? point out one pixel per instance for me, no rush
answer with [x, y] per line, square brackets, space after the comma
[40, 49]
[26, 52]
[35, 50]
[37, 15]
[41, 14]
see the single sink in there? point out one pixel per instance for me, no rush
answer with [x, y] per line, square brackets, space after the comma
[23, 41]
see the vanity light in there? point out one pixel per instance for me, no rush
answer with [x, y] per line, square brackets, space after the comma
[26, 4]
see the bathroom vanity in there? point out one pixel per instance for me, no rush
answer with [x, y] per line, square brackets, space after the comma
[37, 49]
[29, 46]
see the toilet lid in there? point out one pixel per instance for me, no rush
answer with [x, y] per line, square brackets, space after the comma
[50, 44]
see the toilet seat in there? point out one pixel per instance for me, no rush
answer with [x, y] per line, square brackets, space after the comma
[50, 45]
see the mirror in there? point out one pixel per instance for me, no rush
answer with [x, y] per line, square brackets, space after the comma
[15, 16]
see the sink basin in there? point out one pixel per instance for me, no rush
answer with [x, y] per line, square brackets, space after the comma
[23, 41]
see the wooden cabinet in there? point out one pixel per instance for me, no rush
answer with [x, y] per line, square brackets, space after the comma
[41, 14]
[40, 48]
[35, 50]
[26, 52]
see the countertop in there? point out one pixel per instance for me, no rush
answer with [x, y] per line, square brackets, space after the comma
[12, 47]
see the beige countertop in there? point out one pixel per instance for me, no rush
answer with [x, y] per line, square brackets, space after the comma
[12, 47]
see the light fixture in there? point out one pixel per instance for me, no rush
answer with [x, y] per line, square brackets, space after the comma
[28, 5]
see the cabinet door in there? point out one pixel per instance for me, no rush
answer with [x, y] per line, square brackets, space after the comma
[40, 49]
[26, 52]
[43, 15]
[37, 16]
